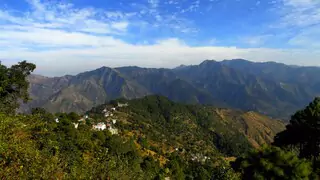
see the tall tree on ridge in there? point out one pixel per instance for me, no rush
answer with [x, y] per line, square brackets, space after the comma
[303, 132]
[14, 85]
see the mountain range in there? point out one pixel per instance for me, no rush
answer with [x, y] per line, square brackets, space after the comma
[273, 89]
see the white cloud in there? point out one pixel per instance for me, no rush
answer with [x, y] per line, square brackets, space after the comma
[171, 42]
[300, 13]
[165, 53]
[154, 3]
[193, 7]
[62, 39]
[300, 19]
[256, 40]
[309, 37]
[121, 26]
[37, 37]
[119, 15]
[299, 3]
[213, 41]
[63, 17]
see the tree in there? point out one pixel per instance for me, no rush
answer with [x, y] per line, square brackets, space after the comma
[38, 110]
[223, 171]
[42, 114]
[303, 132]
[74, 117]
[272, 163]
[14, 85]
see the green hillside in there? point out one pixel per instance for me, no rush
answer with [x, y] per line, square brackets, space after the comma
[194, 127]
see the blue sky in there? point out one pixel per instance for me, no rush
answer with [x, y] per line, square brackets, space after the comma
[67, 37]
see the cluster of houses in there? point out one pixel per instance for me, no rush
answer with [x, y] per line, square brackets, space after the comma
[109, 124]
[194, 157]
[108, 113]
[200, 158]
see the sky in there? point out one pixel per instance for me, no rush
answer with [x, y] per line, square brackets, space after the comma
[71, 36]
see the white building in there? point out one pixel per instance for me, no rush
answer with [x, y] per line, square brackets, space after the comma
[113, 130]
[76, 125]
[122, 105]
[113, 109]
[100, 126]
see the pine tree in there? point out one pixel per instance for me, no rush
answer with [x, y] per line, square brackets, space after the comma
[272, 163]
[303, 132]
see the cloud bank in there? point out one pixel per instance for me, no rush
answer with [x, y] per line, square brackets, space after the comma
[62, 39]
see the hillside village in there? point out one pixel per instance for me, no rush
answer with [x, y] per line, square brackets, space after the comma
[108, 123]
[110, 117]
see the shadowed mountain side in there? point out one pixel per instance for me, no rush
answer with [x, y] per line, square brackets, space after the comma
[236, 84]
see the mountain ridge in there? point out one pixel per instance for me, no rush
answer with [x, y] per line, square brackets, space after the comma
[238, 84]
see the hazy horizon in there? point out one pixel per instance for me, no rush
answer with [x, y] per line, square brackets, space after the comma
[74, 36]
[95, 68]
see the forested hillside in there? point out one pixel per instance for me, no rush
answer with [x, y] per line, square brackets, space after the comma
[154, 138]
[172, 124]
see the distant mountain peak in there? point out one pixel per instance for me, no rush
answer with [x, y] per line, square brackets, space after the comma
[181, 66]
[206, 62]
[104, 68]
[239, 60]
[99, 72]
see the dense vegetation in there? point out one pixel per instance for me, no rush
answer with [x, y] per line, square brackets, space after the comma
[13, 85]
[42, 145]
[157, 138]
[300, 153]
[273, 163]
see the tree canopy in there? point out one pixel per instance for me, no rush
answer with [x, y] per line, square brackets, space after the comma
[14, 85]
[273, 163]
[303, 132]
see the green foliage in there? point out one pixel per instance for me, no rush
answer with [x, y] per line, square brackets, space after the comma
[31, 148]
[176, 168]
[232, 145]
[273, 163]
[34, 148]
[37, 147]
[73, 116]
[189, 125]
[224, 171]
[14, 86]
[303, 132]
